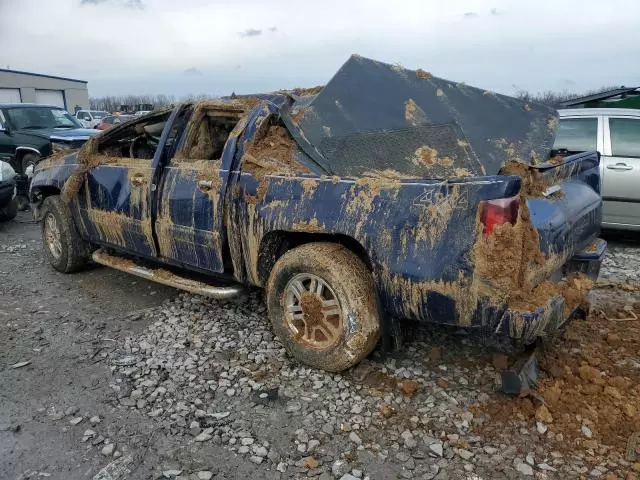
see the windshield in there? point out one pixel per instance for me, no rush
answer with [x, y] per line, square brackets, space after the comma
[40, 117]
[99, 114]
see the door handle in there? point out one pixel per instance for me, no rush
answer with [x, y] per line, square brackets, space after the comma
[620, 167]
[138, 179]
[205, 184]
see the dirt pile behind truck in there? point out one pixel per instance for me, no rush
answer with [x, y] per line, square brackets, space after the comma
[588, 400]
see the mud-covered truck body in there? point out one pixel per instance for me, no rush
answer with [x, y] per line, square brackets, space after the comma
[388, 193]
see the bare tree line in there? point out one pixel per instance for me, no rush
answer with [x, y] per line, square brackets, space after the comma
[554, 99]
[112, 103]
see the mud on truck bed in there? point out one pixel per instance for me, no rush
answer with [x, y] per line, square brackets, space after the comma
[388, 193]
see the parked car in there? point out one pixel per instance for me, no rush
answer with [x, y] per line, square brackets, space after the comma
[349, 207]
[90, 118]
[8, 202]
[615, 133]
[107, 122]
[29, 132]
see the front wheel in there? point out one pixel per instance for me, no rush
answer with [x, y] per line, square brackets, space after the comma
[323, 306]
[63, 246]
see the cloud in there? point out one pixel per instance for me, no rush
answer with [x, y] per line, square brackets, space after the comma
[309, 53]
[192, 71]
[250, 32]
[124, 3]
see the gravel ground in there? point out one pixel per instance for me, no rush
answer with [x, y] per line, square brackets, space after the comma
[172, 385]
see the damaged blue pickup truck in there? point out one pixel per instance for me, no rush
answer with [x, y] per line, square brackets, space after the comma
[386, 194]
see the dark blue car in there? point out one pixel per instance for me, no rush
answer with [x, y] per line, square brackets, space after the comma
[29, 132]
[388, 194]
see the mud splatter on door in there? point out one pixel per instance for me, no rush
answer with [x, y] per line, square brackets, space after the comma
[117, 204]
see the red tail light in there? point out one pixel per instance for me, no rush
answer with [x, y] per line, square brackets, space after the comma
[498, 212]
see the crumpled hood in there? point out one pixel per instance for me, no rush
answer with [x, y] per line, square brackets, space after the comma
[375, 116]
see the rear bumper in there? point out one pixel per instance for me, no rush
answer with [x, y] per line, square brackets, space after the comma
[527, 326]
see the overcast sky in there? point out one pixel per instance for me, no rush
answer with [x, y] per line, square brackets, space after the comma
[219, 46]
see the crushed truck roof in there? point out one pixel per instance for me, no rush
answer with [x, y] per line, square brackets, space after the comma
[376, 116]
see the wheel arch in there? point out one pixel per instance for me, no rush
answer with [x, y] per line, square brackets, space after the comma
[276, 243]
[21, 152]
[38, 194]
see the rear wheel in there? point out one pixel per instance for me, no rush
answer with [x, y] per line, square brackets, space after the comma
[63, 246]
[323, 306]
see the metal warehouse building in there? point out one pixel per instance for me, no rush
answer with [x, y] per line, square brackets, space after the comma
[25, 87]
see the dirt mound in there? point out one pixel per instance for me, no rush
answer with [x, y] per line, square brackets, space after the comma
[589, 392]
[532, 183]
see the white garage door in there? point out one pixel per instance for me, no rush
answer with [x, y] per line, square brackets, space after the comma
[50, 97]
[10, 95]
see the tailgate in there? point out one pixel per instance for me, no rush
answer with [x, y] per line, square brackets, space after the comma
[565, 206]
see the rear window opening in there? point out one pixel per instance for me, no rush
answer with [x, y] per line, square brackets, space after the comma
[272, 151]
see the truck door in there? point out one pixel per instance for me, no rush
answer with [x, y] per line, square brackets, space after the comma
[621, 171]
[189, 223]
[117, 199]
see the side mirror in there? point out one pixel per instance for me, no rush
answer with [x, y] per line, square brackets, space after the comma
[5, 129]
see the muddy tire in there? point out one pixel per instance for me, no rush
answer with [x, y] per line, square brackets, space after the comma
[9, 211]
[63, 246]
[323, 306]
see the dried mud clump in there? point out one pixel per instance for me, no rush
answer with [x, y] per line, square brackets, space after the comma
[304, 92]
[275, 150]
[413, 114]
[504, 259]
[532, 182]
[434, 219]
[366, 189]
[556, 160]
[272, 154]
[590, 385]
[573, 291]
[312, 226]
[87, 159]
[426, 156]
[462, 172]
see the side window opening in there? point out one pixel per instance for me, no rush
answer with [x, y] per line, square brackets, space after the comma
[625, 137]
[139, 140]
[207, 133]
[272, 151]
[577, 135]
